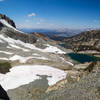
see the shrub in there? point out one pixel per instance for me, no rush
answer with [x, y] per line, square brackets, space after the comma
[4, 67]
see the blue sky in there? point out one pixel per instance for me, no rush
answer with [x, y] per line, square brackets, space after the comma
[53, 13]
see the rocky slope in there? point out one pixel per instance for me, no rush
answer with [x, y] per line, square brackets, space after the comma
[84, 87]
[8, 20]
[87, 88]
[88, 42]
[34, 67]
[29, 59]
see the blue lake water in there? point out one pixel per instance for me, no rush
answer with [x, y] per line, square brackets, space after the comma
[82, 58]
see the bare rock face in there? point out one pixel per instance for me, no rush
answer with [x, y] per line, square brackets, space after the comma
[3, 94]
[89, 40]
[15, 34]
[87, 88]
[1, 25]
[8, 20]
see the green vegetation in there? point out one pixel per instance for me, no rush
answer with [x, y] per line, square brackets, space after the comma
[4, 66]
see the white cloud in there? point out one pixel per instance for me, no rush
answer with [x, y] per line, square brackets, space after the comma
[1, 0]
[31, 15]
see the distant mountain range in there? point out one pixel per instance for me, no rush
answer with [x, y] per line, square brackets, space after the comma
[56, 34]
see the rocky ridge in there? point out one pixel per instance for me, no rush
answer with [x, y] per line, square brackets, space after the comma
[86, 42]
[11, 22]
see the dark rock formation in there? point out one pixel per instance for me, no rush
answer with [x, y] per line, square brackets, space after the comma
[8, 20]
[15, 34]
[1, 25]
[27, 38]
[3, 94]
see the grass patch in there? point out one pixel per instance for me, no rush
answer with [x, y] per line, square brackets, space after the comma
[4, 67]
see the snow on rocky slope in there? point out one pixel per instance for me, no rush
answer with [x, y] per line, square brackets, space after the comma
[21, 75]
[4, 22]
[41, 60]
[15, 47]
[14, 43]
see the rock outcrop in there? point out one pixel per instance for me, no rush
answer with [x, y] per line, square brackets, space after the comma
[89, 40]
[87, 88]
[3, 94]
[11, 22]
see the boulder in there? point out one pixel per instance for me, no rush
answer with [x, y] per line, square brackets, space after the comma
[3, 94]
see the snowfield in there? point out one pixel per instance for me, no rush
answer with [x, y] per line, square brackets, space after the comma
[24, 74]
[8, 53]
[17, 43]
[24, 59]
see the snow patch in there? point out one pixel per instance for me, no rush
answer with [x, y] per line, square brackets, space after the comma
[24, 59]
[3, 58]
[17, 47]
[7, 39]
[43, 58]
[49, 48]
[53, 49]
[35, 54]
[21, 75]
[8, 25]
[8, 53]
[67, 61]
[21, 59]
